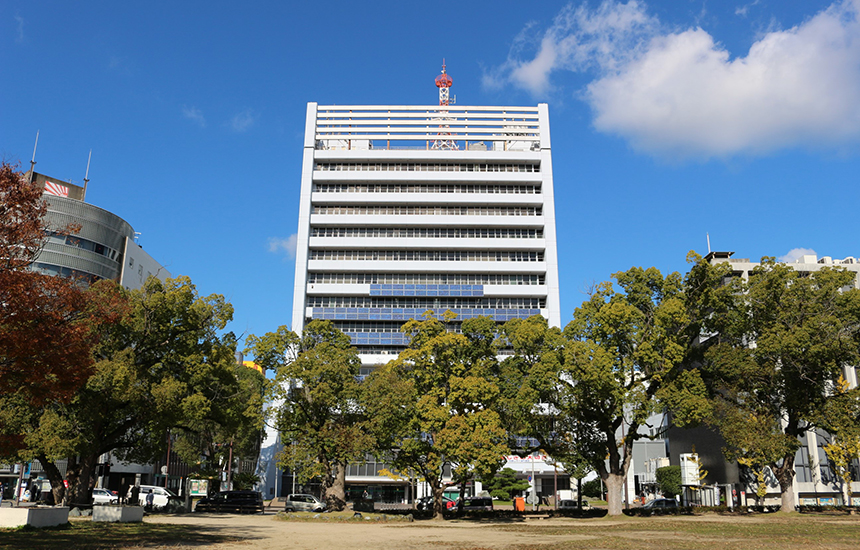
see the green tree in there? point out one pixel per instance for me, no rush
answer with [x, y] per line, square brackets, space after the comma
[625, 352]
[841, 419]
[772, 348]
[320, 420]
[669, 480]
[162, 366]
[505, 484]
[434, 403]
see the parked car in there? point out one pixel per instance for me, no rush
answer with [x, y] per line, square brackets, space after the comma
[661, 505]
[568, 505]
[161, 496]
[240, 502]
[304, 503]
[426, 503]
[103, 496]
[478, 504]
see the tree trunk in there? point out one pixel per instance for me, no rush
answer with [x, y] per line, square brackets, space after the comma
[335, 487]
[81, 481]
[462, 501]
[438, 504]
[785, 477]
[615, 493]
[579, 493]
[58, 488]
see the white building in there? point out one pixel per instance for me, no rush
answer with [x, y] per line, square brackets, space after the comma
[406, 209]
[815, 481]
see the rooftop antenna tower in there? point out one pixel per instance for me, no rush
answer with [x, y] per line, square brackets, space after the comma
[33, 160]
[444, 83]
[87, 175]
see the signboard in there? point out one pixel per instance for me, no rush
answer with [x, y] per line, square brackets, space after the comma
[198, 487]
[690, 469]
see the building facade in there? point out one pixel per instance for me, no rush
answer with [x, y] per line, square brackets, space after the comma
[409, 209]
[103, 248]
[406, 209]
[815, 482]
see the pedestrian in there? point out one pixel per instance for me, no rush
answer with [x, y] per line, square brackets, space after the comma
[2, 489]
[134, 495]
[150, 499]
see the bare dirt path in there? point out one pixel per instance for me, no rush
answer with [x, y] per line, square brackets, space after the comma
[264, 532]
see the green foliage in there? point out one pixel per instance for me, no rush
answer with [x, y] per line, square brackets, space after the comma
[162, 366]
[841, 419]
[440, 408]
[669, 480]
[321, 421]
[245, 481]
[504, 484]
[625, 350]
[592, 488]
[763, 397]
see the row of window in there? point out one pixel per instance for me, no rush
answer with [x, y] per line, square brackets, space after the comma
[428, 232]
[428, 255]
[427, 278]
[81, 277]
[373, 326]
[425, 188]
[424, 167]
[500, 315]
[86, 244]
[436, 304]
[429, 210]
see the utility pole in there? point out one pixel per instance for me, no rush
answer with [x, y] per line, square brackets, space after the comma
[230, 468]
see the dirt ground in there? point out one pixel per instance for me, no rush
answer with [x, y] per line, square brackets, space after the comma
[264, 532]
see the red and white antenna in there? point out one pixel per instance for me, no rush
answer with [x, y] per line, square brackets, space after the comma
[444, 83]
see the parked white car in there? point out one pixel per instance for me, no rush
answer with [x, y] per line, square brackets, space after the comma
[160, 495]
[103, 496]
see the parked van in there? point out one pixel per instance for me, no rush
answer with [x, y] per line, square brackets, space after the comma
[160, 495]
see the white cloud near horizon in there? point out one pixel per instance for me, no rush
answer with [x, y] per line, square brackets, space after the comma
[195, 115]
[279, 245]
[794, 254]
[680, 94]
[243, 120]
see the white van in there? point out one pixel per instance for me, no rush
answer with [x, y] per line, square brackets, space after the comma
[160, 495]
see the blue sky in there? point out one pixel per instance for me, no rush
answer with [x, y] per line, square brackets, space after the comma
[670, 120]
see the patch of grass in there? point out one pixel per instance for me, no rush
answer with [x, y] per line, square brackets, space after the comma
[86, 535]
[346, 516]
[732, 533]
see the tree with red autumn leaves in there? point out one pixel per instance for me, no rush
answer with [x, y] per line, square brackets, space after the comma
[45, 328]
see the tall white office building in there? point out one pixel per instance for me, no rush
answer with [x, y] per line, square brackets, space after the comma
[406, 209]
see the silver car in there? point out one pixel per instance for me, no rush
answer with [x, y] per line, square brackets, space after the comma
[304, 503]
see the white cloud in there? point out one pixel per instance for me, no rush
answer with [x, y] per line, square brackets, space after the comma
[243, 120]
[194, 114]
[794, 254]
[744, 10]
[579, 39]
[681, 95]
[19, 29]
[287, 245]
